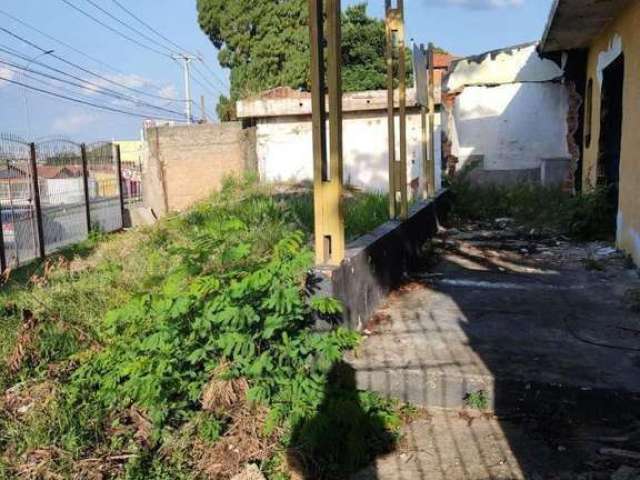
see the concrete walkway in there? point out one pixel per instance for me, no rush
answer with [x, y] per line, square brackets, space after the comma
[523, 321]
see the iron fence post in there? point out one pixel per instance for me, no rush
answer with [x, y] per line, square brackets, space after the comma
[85, 181]
[36, 200]
[3, 256]
[116, 155]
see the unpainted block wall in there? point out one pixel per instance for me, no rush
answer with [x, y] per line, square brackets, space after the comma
[186, 164]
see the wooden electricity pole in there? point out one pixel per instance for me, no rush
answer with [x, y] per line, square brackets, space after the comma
[398, 201]
[327, 169]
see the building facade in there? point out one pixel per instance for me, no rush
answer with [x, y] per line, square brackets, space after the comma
[605, 35]
[506, 118]
[284, 142]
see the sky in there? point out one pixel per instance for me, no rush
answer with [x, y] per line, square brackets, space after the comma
[463, 27]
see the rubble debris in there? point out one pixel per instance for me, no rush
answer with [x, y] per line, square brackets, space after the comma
[251, 472]
[618, 452]
[626, 473]
[605, 252]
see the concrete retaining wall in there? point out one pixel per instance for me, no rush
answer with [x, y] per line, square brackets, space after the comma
[378, 262]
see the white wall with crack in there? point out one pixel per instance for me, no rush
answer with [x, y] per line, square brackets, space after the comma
[507, 110]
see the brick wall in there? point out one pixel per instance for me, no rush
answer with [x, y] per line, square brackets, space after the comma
[188, 163]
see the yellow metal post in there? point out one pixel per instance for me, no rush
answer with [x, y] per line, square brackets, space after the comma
[398, 199]
[432, 124]
[393, 199]
[402, 74]
[425, 169]
[329, 218]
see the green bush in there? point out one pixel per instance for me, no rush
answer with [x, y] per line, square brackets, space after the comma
[221, 290]
[363, 212]
[584, 216]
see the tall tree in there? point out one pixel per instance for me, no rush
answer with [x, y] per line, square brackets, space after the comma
[265, 44]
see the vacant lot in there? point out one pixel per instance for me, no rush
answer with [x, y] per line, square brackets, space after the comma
[186, 351]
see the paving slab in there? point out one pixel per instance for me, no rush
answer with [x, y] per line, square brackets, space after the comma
[554, 346]
[506, 324]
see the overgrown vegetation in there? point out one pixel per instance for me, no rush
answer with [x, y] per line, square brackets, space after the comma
[363, 212]
[183, 351]
[584, 216]
[478, 400]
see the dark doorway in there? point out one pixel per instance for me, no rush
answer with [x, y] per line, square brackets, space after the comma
[611, 131]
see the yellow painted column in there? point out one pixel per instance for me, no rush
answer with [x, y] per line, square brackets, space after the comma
[328, 172]
[398, 199]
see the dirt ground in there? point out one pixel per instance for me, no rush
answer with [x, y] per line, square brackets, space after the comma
[540, 332]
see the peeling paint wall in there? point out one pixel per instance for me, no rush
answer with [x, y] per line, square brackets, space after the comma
[284, 149]
[511, 65]
[509, 109]
[621, 36]
[513, 126]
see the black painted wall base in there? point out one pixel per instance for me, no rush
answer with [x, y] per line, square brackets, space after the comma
[378, 262]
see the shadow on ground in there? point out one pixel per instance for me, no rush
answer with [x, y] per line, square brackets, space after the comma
[346, 434]
[547, 347]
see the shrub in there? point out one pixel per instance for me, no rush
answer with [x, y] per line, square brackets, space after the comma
[584, 216]
[219, 296]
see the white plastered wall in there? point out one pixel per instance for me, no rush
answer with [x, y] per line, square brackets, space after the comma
[514, 126]
[284, 149]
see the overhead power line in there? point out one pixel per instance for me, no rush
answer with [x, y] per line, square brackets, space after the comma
[87, 56]
[159, 34]
[87, 83]
[83, 86]
[115, 30]
[79, 67]
[211, 71]
[77, 100]
[171, 42]
[205, 78]
[125, 24]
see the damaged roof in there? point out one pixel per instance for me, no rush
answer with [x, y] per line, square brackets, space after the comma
[573, 24]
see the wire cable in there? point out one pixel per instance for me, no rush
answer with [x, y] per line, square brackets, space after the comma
[125, 24]
[78, 67]
[172, 43]
[145, 24]
[87, 83]
[114, 30]
[205, 78]
[87, 56]
[213, 74]
[83, 86]
[83, 102]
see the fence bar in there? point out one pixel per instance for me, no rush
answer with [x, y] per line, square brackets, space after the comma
[116, 155]
[3, 256]
[36, 200]
[85, 184]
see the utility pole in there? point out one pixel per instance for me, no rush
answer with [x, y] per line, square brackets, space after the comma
[203, 109]
[186, 65]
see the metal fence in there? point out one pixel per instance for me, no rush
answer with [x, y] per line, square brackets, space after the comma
[53, 194]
